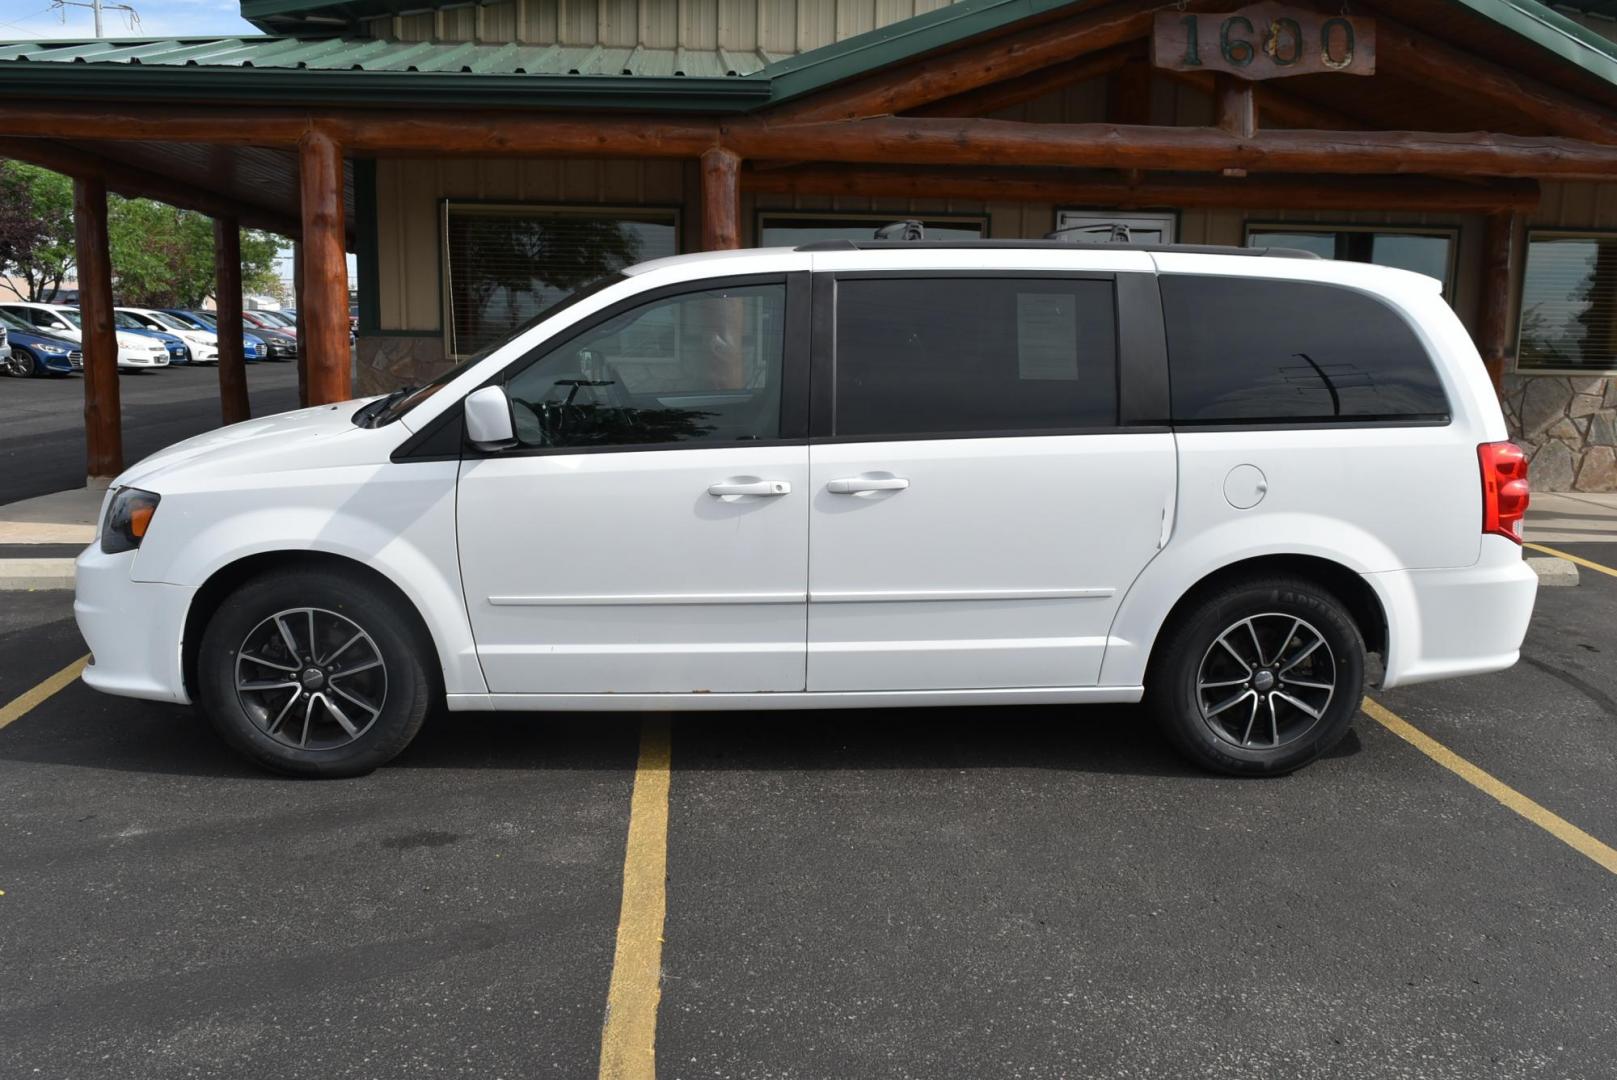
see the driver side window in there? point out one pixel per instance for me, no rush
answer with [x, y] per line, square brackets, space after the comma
[701, 367]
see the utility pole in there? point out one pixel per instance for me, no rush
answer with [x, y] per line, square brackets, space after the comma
[131, 16]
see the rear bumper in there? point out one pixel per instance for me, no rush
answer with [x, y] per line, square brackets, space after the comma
[1467, 621]
[135, 629]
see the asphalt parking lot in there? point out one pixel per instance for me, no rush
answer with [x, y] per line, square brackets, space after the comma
[42, 420]
[987, 892]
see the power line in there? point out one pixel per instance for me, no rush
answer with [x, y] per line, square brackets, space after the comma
[131, 16]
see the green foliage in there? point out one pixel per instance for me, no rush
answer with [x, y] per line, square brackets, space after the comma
[161, 256]
[36, 228]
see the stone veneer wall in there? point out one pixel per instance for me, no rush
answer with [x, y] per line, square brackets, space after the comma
[1568, 425]
[386, 362]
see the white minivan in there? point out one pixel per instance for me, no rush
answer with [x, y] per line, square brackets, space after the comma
[852, 475]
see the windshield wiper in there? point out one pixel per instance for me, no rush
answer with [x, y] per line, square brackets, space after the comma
[371, 415]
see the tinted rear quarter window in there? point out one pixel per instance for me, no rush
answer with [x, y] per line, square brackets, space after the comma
[1252, 350]
[974, 355]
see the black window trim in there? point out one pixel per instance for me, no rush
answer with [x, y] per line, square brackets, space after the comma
[1565, 233]
[1142, 364]
[424, 446]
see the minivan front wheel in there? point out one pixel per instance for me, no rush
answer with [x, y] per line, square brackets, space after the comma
[313, 675]
[1260, 678]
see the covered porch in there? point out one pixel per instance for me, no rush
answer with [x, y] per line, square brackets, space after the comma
[1003, 118]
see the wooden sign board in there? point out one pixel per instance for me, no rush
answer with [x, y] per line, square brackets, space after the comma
[1265, 41]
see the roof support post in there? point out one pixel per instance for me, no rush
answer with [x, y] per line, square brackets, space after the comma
[303, 325]
[1237, 107]
[1493, 322]
[325, 269]
[721, 200]
[103, 422]
[233, 404]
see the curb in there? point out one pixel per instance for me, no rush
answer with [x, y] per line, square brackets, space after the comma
[1553, 572]
[30, 575]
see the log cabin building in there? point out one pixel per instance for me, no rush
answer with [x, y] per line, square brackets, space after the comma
[481, 160]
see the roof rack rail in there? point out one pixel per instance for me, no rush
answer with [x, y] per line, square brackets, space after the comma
[1053, 245]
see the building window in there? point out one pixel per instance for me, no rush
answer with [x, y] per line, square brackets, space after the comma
[505, 264]
[1425, 251]
[1101, 227]
[1569, 303]
[792, 229]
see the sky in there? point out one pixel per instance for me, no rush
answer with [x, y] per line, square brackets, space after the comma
[28, 20]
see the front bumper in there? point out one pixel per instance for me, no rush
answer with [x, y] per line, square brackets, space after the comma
[135, 629]
[140, 358]
[1465, 621]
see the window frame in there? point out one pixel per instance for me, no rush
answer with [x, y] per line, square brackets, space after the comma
[508, 208]
[794, 375]
[1140, 375]
[1451, 232]
[875, 220]
[1172, 217]
[1520, 294]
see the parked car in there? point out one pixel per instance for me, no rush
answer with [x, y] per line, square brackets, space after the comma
[279, 344]
[253, 347]
[178, 353]
[5, 350]
[137, 351]
[852, 475]
[270, 320]
[33, 353]
[202, 345]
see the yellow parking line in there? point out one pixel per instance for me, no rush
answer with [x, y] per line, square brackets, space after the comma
[629, 1036]
[1569, 557]
[18, 707]
[1552, 823]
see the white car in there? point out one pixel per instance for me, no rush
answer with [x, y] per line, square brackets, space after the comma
[135, 351]
[851, 475]
[204, 344]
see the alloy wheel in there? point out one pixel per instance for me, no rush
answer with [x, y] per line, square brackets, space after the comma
[311, 679]
[1266, 681]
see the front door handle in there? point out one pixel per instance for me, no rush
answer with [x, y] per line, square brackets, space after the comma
[855, 485]
[749, 487]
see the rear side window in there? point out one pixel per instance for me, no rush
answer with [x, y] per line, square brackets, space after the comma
[1249, 350]
[995, 355]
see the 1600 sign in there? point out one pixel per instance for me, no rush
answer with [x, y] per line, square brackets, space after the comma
[1265, 41]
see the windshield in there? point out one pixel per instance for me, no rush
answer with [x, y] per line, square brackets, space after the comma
[164, 319]
[401, 401]
[204, 318]
[70, 314]
[274, 318]
[128, 322]
[11, 322]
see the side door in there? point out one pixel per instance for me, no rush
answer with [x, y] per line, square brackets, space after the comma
[991, 478]
[649, 534]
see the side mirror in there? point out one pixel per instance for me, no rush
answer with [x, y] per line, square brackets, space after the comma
[489, 425]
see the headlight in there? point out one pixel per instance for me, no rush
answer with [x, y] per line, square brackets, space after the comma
[128, 518]
[54, 350]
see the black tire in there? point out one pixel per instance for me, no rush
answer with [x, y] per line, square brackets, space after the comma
[1186, 677]
[333, 605]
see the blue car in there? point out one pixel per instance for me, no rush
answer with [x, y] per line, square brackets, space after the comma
[178, 351]
[253, 347]
[33, 353]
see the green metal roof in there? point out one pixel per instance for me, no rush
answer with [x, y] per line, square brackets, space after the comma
[370, 71]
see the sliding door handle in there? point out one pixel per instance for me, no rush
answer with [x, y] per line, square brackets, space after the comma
[857, 485]
[749, 487]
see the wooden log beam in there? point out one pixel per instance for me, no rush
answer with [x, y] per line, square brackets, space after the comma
[103, 419]
[1273, 102]
[1473, 79]
[1063, 186]
[928, 141]
[325, 269]
[233, 404]
[934, 78]
[1013, 92]
[1493, 322]
[721, 201]
[138, 183]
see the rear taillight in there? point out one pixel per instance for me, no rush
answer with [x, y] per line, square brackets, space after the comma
[1504, 488]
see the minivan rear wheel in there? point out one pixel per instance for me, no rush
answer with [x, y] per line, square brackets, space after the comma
[313, 674]
[1259, 678]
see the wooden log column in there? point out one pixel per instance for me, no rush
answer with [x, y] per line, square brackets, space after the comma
[721, 200]
[103, 421]
[324, 308]
[233, 405]
[1498, 272]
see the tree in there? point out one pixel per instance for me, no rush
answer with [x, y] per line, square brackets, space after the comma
[36, 229]
[161, 256]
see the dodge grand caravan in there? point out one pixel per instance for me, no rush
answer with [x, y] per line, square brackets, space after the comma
[851, 475]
